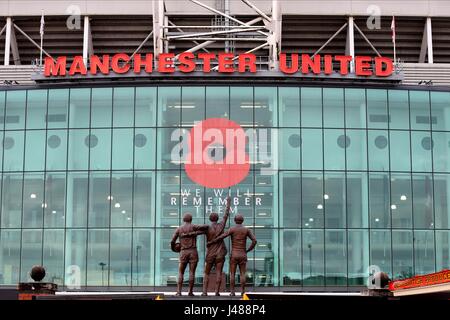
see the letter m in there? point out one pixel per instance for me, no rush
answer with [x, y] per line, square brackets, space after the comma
[55, 69]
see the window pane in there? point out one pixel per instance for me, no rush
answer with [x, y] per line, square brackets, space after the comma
[400, 153]
[292, 258]
[31, 252]
[170, 147]
[145, 107]
[166, 267]
[33, 200]
[10, 257]
[378, 150]
[168, 199]
[398, 109]
[423, 201]
[289, 148]
[422, 144]
[334, 200]
[75, 261]
[420, 110]
[217, 102]
[15, 109]
[355, 108]
[402, 254]
[36, 109]
[289, 194]
[377, 109]
[169, 106]
[441, 200]
[312, 200]
[144, 148]
[313, 258]
[100, 199]
[13, 151]
[192, 105]
[358, 257]
[121, 255]
[335, 143]
[424, 255]
[289, 107]
[56, 149]
[101, 110]
[266, 107]
[12, 200]
[122, 192]
[441, 147]
[357, 200]
[77, 199]
[379, 202]
[53, 258]
[144, 257]
[401, 203]
[78, 149]
[123, 107]
[58, 103]
[54, 204]
[333, 107]
[336, 257]
[311, 107]
[440, 107]
[98, 257]
[442, 249]
[144, 199]
[380, 250]
[122, 149]
[241, 105]
[356, 152]
[35, 150]
[266, 199]
[2, 109]
[99, 142]
[312, 155]
[80, 101]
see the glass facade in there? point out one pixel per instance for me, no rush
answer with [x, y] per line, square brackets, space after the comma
[353, 177]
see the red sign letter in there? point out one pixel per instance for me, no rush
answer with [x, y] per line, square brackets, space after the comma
[283, 63]
[226, 64]
[206, 57]
[148, 62]
[187, 62]
[344, 60]
[165, 63]
[120, 67]
[58, 69]
[103, 66]
[379, 61]
[307, 63]
[362, 66]
[77, 66]
[247, 60]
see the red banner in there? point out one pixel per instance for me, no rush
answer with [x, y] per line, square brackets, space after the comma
[421, 281]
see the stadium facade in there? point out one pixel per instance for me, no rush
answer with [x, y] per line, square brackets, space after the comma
[348, 173]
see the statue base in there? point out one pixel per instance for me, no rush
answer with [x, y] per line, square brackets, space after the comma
[29, 290]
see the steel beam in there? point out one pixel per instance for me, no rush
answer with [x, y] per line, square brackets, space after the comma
[158, 31]
[331, 39]
[86, 32]
[7, 40]
[274, 39]
[15, 48]
[262, 14]
[33, 42]
[193, 35]
[3, 30]
[423, 46]
[365, 38]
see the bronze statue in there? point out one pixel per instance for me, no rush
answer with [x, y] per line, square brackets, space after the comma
[239, 250]
[188, 250]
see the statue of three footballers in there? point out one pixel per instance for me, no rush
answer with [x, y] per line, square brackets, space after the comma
[215, 250]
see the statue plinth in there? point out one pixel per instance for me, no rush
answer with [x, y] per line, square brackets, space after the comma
[28, 290]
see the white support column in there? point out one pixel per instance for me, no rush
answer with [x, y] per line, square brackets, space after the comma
[8, 40]
[350, 44]
[274, 38]
[86, 33]
[429, 40]
[158, 22]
